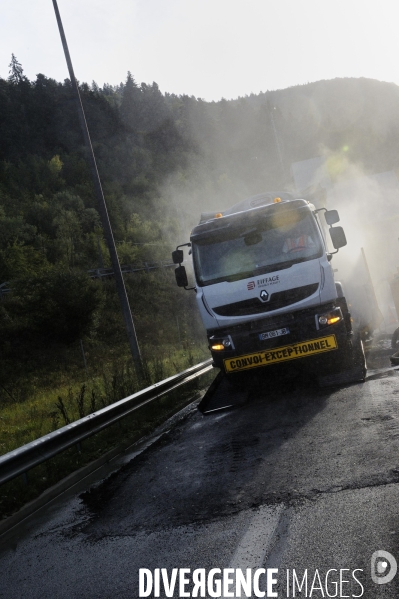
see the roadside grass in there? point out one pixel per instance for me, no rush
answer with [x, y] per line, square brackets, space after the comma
[51, 409]
[81, 394]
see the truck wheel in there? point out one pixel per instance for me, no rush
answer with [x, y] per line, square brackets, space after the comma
[395, 339]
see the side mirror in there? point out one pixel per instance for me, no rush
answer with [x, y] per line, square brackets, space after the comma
[177, 256]
[181, 275]
[338, 237]
[331, 217]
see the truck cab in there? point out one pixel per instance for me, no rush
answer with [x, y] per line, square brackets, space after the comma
[265, 286]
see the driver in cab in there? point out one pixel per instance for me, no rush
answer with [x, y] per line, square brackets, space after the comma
[298, 240]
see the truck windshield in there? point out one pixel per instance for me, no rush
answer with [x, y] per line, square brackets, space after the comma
[243, 251]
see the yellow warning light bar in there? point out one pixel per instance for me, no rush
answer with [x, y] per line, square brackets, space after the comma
[276, 200]
[218, 215]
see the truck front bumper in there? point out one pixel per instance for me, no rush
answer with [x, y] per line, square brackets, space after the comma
[294, 337]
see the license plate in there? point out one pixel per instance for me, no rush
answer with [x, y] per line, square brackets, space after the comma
[276, 333]
[274, 355]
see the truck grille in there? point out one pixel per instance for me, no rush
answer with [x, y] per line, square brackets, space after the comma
[280, 299]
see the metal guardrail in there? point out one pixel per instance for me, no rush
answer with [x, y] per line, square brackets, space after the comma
[20, 460]
[4, 288]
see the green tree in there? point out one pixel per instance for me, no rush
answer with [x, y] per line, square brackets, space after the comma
[16, 71]
[57, 305]
[131, 103]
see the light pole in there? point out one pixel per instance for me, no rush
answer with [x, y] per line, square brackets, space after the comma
[120, 284]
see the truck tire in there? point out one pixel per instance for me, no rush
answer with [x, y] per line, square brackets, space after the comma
[395, 358]
[395, 339]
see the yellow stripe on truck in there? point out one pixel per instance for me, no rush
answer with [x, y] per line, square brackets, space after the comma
[281, 354]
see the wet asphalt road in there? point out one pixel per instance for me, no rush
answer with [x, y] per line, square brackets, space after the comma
[298, 478]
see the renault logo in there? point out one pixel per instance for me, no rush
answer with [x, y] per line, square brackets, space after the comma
[264, 296]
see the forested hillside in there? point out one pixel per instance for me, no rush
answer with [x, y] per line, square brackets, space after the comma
[50, 232]
[162, 159]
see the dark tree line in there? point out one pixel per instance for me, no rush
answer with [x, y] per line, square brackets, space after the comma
[162, 159]
[50, 231]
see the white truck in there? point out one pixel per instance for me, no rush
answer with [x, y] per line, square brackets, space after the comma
[266, 290]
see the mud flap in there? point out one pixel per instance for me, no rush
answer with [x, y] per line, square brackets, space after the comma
[355, 374]
[222, 395]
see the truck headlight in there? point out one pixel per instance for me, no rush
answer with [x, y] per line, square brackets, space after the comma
[221, 343]
[328, 318]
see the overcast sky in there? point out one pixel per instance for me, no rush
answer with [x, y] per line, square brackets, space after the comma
[206, 48]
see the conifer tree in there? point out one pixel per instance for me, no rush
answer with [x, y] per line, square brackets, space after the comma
[130, 105]
[16, 71]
